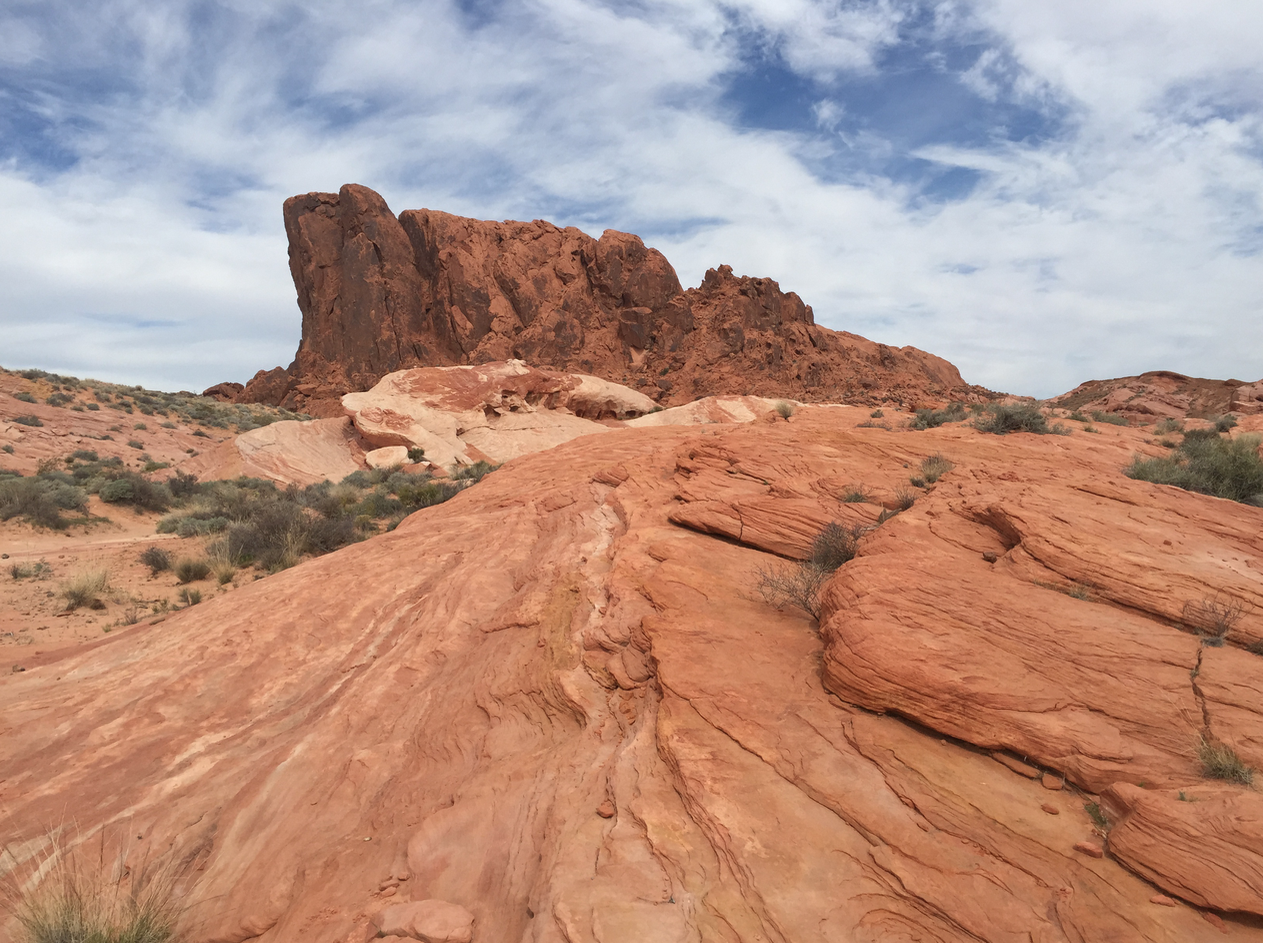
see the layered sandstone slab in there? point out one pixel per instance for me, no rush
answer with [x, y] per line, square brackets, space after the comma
[495, 412]
[380, 293]
[550, 704]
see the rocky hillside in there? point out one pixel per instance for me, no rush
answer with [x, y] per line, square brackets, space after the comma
[1162, 394]
[558, 708]
[379, 293]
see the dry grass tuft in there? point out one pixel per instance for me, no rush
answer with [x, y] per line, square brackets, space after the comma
[85, 590]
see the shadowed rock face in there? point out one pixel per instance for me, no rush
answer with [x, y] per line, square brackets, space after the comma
[380, 293]
[558, 703]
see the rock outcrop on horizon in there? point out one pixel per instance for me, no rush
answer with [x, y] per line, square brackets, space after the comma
[380, 293]
[1163, 394]
[556, 708]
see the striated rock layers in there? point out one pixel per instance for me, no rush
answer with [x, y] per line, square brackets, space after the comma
[556, 708]
[1161, 394]
[380, 293]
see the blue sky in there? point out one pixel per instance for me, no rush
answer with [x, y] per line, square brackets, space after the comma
[1041, 193]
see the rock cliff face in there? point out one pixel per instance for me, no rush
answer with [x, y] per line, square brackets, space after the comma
[556, 708]
[380, 293]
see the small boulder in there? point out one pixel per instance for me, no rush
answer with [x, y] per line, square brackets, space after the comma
[387, 457]
[430, 921]
[1090, 849]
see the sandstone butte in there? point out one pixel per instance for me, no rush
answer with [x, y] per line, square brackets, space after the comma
[380, 293]
[556, 707]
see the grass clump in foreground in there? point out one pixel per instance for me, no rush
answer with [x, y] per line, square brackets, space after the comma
[934, 467]
[1220, 761]
[1207, 463]
[799, 584]
[70, 900]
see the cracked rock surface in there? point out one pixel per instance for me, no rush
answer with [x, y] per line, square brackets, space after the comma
[559, 702]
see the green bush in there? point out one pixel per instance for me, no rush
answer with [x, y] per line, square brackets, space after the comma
[1000, 419]
[28, 420]
[24, 397]
[1208, 464]
[157, 559]
[59, 399]
[190, 570]
[416, 454]
[1225, 422]
[473, 473]
[931, 418]
[40, 500]
[1113, 419]
[118, 491]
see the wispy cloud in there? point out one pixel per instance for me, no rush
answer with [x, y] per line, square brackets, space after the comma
[1041, 193]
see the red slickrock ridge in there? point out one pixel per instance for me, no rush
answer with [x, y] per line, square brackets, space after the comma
[447, 712]
[380, 293]
[1162, 394]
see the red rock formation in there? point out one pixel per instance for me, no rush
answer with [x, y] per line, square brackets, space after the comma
[379, 293]
[558, 702]
[1161, 394]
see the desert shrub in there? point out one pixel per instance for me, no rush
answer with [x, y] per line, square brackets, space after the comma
[1166, 426]
[190, 569]
[93, 407]
[855, 494]
[8, 448]
[876, 414]
[24, 397]
[40, 500]
[135, 444]
[28, 420]
[931, 418]
[784, 408]
[473, 473]
[82, 455]
[1078, 416]
[1225, 422]
[1000, 419]
[1113, 419]
[424, 494]
[1208, 464]
[934, 467]
[904, 499]
[190, 597]
[1213, 616]
[199, 527]
[128, 487]
[59, 399]
[1220, 761]
[85, 589]
[157, 559]
[416, 454]
[23, 571]
[116, 491]
[916, 481]
[799, 584]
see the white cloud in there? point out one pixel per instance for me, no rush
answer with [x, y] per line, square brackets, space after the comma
[1126, 239]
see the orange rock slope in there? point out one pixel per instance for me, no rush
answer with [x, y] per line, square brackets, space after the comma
[558, 703]
[1161, 394]
[380, 294]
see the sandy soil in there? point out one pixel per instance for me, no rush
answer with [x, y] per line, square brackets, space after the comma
[33, 616]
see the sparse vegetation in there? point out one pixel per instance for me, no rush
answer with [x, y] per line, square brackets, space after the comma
[934, 467]
[190, 569]
[799, 584]
[24, 397]
[784, 408]
[1001, 419]
[876, 414]
[1225, 422]
[40, 500]
[930, 418]
[1167, 426]
[1213, 617]
[157, 559]
[855, 494]
[1112, 419]
[85, 589]
[190, 597]
[1093, 809]
[1208, 464]
[904, 499]
[25, 571]
[1220, 761]
[28, 420]
[416, 454]
[72, 900]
